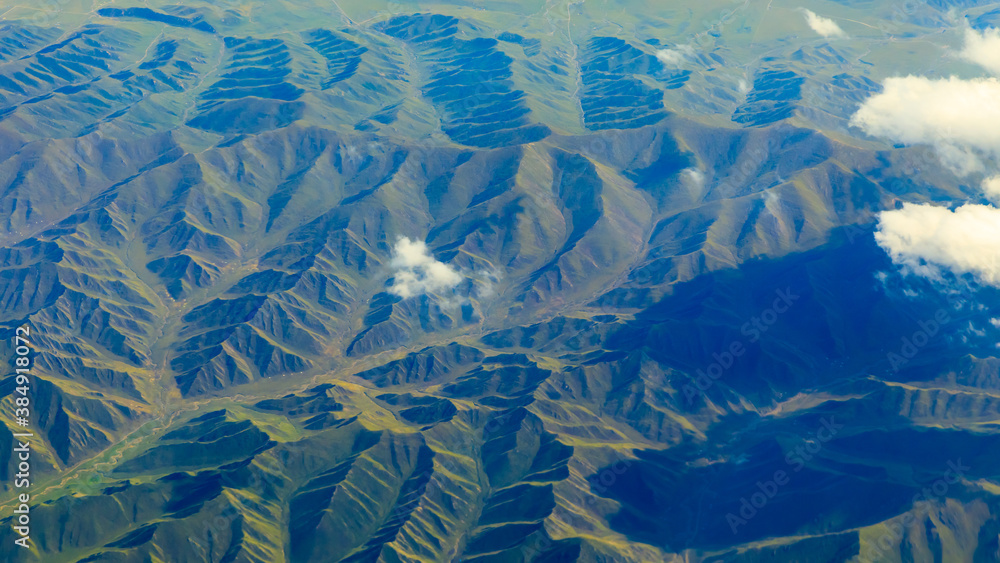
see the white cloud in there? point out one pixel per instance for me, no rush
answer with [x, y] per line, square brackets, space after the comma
[960, 118]
[675, 56]
[823, 26]
[927, 240]
[983, 49]
[991, 187]
[418, 272]
[693, 177]
[487, 282]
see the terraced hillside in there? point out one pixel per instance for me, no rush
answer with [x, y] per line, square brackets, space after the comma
[371, 282]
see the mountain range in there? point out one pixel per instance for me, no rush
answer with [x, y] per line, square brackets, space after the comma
[537, 281]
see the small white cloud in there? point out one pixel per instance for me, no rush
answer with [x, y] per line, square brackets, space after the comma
[927, 240]
[675, 56]
[960, 118]
[418, 272]
[823, 26]
[991, 188]
[983, 49]
[693, 177]
[743, 86]
[771, 198]
[486, 283]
